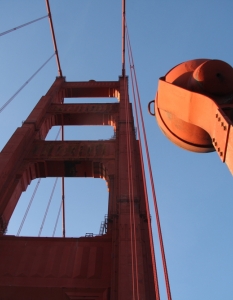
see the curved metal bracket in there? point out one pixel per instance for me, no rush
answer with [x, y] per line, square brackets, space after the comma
[149, 105]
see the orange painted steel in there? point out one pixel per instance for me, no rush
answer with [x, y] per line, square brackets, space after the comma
[53, 37]
[87, 267]
[194, 107]
[123, 38]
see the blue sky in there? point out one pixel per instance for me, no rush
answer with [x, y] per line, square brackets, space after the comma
[194, 191]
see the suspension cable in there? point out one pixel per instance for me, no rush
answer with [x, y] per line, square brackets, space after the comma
[62, 127]
[152, 185]
[53, 37]
[9, 101]
[58, 134]
[47, 208]
[63, 188]
[31, 200]
[123, 38]
[129, 166]
[28, 207]
[132, 237]
[55, 227]
[18, 27]
[56, 178]
[156, 284]
[131, 196]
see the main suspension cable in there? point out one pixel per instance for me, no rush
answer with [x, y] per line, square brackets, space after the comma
[129, 145]
[20, 26]
[156, 284]
[130, 187]
[152, 185]
[133, 245]
[53, 37]
[20, 89]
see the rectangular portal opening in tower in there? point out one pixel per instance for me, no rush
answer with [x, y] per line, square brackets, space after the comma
[92, 100]
[82, 133]
[86, 205]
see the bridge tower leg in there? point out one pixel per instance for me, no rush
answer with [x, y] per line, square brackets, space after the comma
[100, 267]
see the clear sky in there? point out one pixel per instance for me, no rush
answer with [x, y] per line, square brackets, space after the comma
[194, 191]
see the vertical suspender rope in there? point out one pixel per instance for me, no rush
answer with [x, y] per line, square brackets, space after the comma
[55, 227]
[53, 37]
[123, 38]
[153, 189]
[63, 208]
[156, 284]
[63, 190]
[62, 128]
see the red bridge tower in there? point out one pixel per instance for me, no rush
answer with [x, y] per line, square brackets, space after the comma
[118, 265]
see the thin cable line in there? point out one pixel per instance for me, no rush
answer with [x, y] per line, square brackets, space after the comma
[53, 37]
[28, 207]
[130, 196]
[18, 27]
[63, 188]
[31, 200]
[55, 227]
[47, 208]
[123, 38]
[20, 89]
[153, 188]
[144, 180]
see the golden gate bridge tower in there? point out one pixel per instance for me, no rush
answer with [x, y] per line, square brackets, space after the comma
[117, 265]
[87, 267]
[194, 108]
